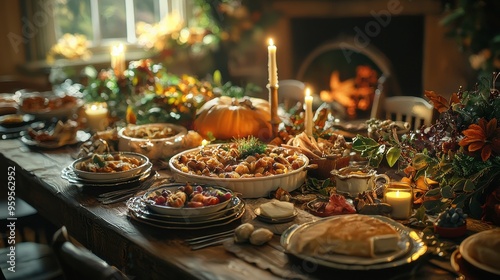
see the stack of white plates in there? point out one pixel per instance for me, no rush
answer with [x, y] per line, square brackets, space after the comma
[141, 210]
[75, 175]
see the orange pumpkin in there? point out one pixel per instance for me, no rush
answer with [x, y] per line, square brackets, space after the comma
[227, 118]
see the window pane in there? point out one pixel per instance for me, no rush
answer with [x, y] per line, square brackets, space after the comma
[73, 16]
[112, 19]
[144, 11]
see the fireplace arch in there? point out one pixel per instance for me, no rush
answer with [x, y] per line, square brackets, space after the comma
[348, 72]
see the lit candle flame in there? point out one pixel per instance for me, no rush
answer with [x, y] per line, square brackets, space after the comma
[271, 42]
[117, 49]
[308, 92]
[204, 142]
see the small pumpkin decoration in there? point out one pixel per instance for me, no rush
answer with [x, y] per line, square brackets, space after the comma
[227, 118]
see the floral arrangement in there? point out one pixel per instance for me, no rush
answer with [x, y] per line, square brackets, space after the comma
[461, 150]
[148, 93]
[476, 26]
[458, 157]
[171, 35]
[69, 46]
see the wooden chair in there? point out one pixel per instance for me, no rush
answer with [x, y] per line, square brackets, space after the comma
[32, 261]
[34, 258]
[414, 110]
[79, 263]
[28, 220]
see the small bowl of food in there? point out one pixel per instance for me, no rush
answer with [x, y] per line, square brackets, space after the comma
[157, 140]
[110, 166]
[451, 223]
[187, 200]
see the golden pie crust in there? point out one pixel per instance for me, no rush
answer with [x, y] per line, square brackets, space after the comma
[354, 235]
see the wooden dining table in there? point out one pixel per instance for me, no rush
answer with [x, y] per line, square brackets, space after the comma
[147, 252]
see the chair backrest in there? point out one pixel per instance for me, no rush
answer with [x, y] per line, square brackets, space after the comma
[290, 92]
[79, 263]
[412, 109]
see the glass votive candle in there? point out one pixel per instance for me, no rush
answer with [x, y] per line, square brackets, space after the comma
[400, 196]
[97, 116]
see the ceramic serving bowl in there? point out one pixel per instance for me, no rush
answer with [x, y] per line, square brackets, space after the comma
[252, 187]
[78, 167]
[157, 140]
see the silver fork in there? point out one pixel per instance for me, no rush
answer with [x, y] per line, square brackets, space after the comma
[209, 240]
[122, 195]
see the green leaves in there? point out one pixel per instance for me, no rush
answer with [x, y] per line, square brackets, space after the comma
[375, 152]
[393, 155]
[323, 187]
[362, 143]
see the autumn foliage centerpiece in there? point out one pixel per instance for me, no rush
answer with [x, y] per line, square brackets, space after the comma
[455, 162]
[461, 151]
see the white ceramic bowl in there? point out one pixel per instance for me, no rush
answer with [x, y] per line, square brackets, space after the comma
[248, 187]
[103, 176]
[184, 211]
[152, 148]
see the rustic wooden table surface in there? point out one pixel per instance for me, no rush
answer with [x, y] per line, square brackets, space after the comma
[147, 252]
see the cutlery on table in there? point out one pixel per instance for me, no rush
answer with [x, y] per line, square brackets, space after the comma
[122, 195]
[209, 240]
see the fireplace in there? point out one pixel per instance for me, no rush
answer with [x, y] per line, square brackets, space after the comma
[399, 46]
[412, 41]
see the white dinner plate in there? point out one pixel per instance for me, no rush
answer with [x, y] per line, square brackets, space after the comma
[226, 215]
[472, 243]
[68, 174]
[189, 226]
[139, 206]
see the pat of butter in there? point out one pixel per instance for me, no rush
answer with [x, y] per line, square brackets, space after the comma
[277, 209]
[385, 243]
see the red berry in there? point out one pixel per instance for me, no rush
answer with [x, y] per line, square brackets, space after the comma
[160, 200]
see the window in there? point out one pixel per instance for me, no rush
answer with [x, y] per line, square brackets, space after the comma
[103, 22]
[106, 21]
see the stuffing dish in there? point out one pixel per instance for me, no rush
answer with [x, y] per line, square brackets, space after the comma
[109, 163]
[228, 161]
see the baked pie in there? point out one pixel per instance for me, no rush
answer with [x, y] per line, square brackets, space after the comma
[353, 235]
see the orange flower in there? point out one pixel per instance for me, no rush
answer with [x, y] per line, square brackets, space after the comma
[484, 137]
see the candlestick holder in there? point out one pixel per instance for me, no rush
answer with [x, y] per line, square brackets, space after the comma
[273, 103]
